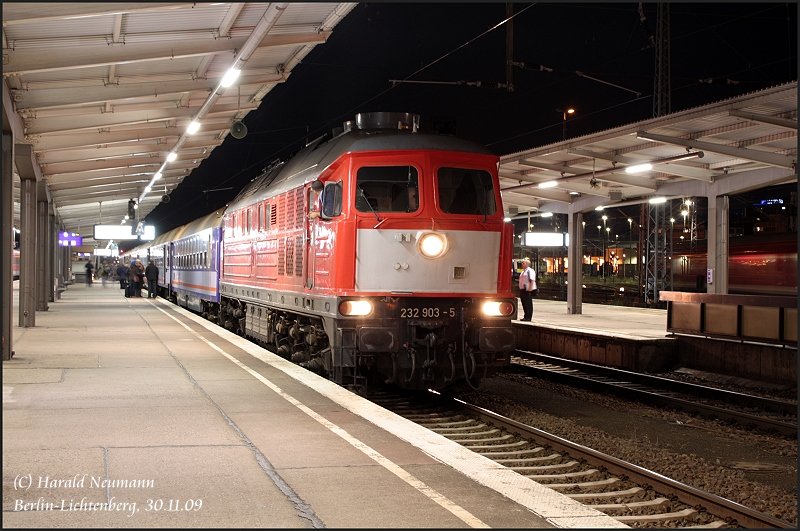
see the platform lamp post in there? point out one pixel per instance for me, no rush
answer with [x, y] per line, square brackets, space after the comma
[583, 248]
[607, 239]
[600, 237]
[564, 113]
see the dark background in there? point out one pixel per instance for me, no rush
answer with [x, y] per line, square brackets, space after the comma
[717, 51]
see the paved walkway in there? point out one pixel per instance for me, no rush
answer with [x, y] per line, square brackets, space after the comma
[603, 319]
[136, 413]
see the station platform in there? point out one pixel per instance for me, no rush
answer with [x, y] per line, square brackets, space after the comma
[136, 413]
[600, 319]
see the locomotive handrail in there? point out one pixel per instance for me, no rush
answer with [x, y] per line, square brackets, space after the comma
[755, 318]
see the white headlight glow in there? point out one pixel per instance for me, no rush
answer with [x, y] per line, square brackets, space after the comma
[355, 308]
[497, 308]
[432, 245]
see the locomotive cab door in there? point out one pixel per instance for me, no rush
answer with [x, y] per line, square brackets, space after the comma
[311, 217]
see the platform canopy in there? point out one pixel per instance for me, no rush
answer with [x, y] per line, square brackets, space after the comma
[739, 144]
[104, 92]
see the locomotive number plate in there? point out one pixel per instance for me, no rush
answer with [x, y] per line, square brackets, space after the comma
[428, 312]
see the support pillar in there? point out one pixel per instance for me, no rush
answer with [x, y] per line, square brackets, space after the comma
[52, 264]
[23, 157]
[575, 264]
[718, 240]
[6, 246]
[42, 249]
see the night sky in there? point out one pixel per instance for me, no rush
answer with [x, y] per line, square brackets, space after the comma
[717, 51]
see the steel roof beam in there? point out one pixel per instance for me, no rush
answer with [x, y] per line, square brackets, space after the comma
[33, 61]
[765, 119]
[765, 157]
[17, 13]
[63, 124]
[40, 99]
[677, 169]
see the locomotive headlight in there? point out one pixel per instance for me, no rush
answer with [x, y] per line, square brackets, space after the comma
[355, 308]
[497, 308]
[432, 244]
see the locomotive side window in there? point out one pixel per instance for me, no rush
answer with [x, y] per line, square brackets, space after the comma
[465, 191]
[332, 200]
[387, 189]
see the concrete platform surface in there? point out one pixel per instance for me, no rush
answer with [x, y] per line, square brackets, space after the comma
[601, 319]
[135, 413]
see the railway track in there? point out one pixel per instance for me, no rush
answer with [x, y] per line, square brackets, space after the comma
[765, 414]
[628, 493]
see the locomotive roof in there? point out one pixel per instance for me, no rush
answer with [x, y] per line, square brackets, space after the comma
[313, 159]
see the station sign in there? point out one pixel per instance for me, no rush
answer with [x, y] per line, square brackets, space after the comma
[124, 232]
[69, 239]
[546, 239]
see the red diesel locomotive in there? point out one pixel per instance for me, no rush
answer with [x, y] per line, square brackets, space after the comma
[379, 254]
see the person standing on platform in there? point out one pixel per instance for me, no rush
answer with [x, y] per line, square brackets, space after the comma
[138, 277]
[151, 272]
[527, 289]
[89, 272]
[105, 272]
[122, 274]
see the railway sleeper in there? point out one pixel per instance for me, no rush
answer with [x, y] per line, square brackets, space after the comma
[492, 455]
[560, 466]
[541, 459]
[574, 485]
[660, 517]
[478, 447]
[632, 506]
[608, 494]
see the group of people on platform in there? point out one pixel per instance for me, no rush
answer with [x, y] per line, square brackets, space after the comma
[131, 278]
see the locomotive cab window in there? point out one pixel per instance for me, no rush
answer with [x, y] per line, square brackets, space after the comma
[331, 200]
[387, 189]
[465, 191]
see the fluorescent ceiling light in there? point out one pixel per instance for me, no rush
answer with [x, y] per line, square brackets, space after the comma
[194, 126]
[658, 200]
[546, 214]
[639, 168]
[172, 156]
[158, 175]
[230, 77]
[548, 184]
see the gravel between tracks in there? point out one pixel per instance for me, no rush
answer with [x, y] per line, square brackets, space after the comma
[756, 470]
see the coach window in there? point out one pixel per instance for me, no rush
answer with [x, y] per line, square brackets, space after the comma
[465, 191]
[387, 189]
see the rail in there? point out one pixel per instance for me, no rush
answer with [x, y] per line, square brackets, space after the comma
[756, 318]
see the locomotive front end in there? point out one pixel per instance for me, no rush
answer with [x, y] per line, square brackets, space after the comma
[427, 342]
[431, 306]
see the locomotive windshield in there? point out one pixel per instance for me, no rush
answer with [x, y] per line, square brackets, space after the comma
[387, 189]
[464, 191]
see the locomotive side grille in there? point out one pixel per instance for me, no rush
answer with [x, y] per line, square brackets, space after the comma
[298, 263]
[298, 202]
[283, 207]
[273, 214]
[281, 256]
[289, 256]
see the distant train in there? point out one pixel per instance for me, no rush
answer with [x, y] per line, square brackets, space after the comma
[379, 254]
[757, 265]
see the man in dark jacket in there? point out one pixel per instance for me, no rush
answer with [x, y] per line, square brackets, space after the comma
[122, 274]
[151, 272]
